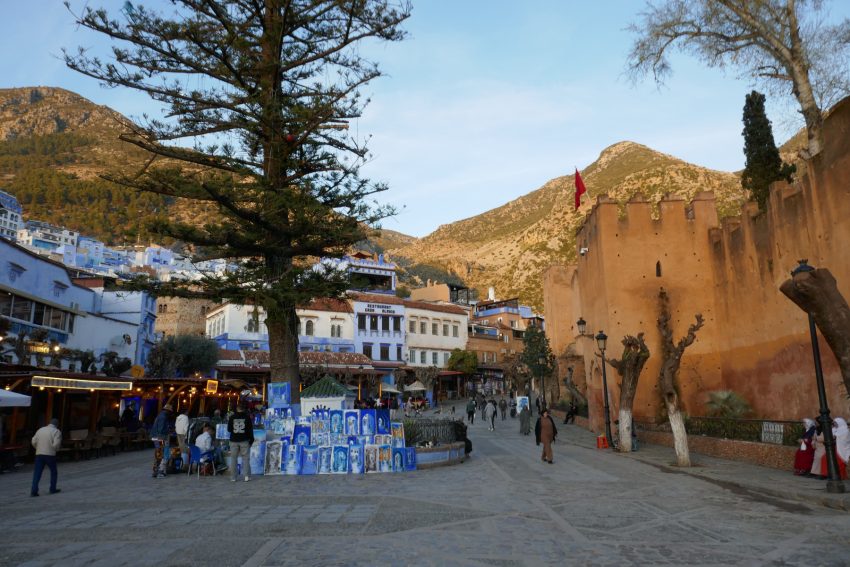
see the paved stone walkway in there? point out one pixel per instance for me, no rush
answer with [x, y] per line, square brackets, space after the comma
[503, 507]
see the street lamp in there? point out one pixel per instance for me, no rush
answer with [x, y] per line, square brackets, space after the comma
[359, 383]
[541, 362]
[833, 483]
[582, 325]
[602, 342]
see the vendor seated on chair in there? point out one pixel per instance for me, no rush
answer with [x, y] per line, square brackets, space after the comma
[204, 442]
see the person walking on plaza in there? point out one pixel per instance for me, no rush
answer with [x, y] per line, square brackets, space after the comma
[160, 435]
[525, 420]
[241, 430]
[46, 441]
[181, 428]
[570, 416]
[545, 432]
[470, 411]
[513, 407]
[490, 415]
[503, 407]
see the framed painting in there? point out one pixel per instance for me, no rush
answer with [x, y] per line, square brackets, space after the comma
[257, 455]
[367, 422]
[325, 454]
[352, 422]
[398, 434]
[309, 459]
[301, 435]
[370, 464]
[385, 457]
[336, 422]
[382, 417]
[410, 459]
[398, 459]
[355, 459]
[221, 432]
[274, 456]
[340, 459]
[278, 394]
[293, 459]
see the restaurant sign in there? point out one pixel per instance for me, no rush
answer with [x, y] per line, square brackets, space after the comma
[380, 308]
[78, 384]
[212, 386]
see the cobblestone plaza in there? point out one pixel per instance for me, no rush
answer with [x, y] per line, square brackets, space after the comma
[502, 507]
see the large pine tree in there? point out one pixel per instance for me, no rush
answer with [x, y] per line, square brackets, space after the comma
[764, 165]
[261, 91]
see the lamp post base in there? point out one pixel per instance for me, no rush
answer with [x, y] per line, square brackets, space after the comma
[835, 486]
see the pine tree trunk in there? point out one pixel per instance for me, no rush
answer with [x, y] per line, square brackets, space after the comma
[625, 429]
[680, 435]
[282, 324]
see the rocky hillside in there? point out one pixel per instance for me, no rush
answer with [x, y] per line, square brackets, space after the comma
[509, 247]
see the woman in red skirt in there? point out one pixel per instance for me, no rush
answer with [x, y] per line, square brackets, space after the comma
[806, 453]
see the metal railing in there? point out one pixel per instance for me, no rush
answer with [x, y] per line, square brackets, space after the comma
[774, 432]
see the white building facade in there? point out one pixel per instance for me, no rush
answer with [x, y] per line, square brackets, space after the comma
[11, 220]
[434, 330]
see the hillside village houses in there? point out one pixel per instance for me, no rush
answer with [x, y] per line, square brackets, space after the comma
[10, 216]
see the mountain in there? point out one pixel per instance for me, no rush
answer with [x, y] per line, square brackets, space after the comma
[510, 246]
[53, 145]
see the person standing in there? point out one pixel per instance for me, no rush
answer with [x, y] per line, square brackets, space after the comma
[470, 411]
[525, 420]
[241, 430]
[46, 441]
[570, 416]
[490, 415]
[160, 435]
[503, 407]
[181, 428]
[545, 432]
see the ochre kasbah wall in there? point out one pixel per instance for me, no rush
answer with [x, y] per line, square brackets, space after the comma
[754, 341]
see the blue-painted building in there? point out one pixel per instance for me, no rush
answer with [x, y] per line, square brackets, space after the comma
[11, 219]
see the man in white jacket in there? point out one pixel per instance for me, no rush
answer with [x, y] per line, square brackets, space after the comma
[46, 441]
[181, 428]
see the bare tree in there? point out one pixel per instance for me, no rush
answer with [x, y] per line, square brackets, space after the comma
[427, 375]
[629, 366]
[816, 292]
[516, 374]
[671, 358]
[780, 43]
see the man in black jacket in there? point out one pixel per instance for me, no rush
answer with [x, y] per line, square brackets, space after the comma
[241, 430]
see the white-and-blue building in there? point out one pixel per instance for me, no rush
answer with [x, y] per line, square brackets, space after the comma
[11, 219]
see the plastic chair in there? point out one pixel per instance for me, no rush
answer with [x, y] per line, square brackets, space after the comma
[195, 457]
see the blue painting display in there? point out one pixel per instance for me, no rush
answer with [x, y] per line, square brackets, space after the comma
[382, 417]
[352, 422]
[367, 422]
[301, 435]
[385, 458]
[278, 394]
[257, 455]
[355, 459]
[398, 434]
[521, 402]
[221, 432]
[340, 459]
[293, 459]
[398, 459]
[325, 454]
[371, 459]
[274, 457]
[309, 459]
[336, 422]
[410, 458]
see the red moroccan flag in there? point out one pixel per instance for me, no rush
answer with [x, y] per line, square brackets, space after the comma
[580, 189]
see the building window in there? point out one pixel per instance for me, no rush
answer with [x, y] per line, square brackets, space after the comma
[445, 358]
[22, 309]
[434, 357]
[422, 355]
[252, 325]
[658, 269]
[361, 322]
[398, 352]
[40, 310]
[367, 350]
[162, 308]
[385, 352]
[423, 327]
[513, 324]
[396, 323]
[385, 323]
[308, 328]
[413, 326]
[445, 330]
[412, 355]
[5, 303]
[435, 329]
[373, 322]
[455, 331]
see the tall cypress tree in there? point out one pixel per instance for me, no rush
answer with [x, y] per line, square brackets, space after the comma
[255, 94]
[764, 165]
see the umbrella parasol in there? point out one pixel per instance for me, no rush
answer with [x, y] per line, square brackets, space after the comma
[416, 387]
[13, 400]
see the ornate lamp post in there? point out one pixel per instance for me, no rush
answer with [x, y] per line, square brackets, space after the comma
[834, 483]
[602, 342]
[582, 325]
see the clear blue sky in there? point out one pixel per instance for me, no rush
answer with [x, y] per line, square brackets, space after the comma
[486, 101]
